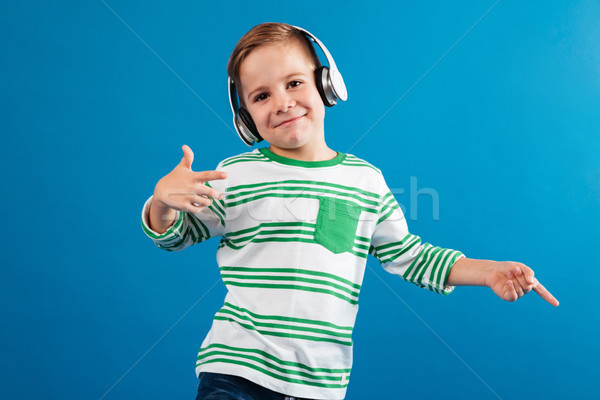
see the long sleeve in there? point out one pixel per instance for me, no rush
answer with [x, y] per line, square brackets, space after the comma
[188, 229]
[403, 254]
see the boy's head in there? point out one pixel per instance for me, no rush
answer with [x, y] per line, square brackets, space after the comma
[270, 33]
[282, 89]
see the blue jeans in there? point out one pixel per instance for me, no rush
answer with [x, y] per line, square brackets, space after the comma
[215, 386]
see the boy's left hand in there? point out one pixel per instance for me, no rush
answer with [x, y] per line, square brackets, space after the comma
[511, 280]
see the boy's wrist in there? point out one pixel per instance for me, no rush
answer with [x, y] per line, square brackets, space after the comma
[160, 216]
[471, 272]
[158, 205]
[488, 271]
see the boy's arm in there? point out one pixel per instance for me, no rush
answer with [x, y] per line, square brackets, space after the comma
[509, 280]
[184, 208]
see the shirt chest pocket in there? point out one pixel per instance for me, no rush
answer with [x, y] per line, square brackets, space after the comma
[337, 221]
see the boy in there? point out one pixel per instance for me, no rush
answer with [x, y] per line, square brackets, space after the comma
[297, 221]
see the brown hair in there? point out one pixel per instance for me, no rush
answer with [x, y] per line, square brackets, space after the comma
[269, 33]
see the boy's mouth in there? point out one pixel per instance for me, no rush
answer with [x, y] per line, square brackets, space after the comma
[289, 121]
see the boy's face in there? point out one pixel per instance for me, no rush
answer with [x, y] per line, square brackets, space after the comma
[279, 92]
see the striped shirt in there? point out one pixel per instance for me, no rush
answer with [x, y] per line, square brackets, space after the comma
[295, 236]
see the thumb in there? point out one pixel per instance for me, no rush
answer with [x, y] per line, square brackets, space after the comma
[188, 157]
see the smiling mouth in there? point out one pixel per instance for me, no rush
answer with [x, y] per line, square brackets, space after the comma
[289, 121]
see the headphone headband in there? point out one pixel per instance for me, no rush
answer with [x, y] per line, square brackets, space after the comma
[330, 85]
[337, 82]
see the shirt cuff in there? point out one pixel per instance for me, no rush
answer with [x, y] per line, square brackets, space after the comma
[174, 229]
[445, 289]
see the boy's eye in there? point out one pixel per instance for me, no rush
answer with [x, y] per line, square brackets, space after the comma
[294, 84]
[261, 97]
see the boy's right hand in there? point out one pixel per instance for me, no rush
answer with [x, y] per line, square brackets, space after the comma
[183, 189]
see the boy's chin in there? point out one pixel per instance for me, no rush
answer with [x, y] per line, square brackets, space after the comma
[290, 142]
[286, 147]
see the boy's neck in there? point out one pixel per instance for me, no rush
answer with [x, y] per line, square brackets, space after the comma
[306, 153]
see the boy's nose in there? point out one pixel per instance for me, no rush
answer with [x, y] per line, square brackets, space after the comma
[284, 102]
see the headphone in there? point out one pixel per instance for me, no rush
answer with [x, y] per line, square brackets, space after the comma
[330, 86]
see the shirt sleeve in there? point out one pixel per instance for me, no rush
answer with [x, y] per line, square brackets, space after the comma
[188, 229]
[403, 254]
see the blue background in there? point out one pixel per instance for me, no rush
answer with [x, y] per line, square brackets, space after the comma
[505, 128]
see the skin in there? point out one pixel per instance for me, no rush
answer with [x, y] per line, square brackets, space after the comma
[279, 91]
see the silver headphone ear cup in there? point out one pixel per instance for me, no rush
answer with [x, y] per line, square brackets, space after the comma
[324, 86]
[248, 125]
[243, 131]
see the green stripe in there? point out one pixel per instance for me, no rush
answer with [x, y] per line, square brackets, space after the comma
[202, 230]
[220, 204]
[271, 239]
[217, 213]
[258, 158]
[291, 278]
[386, 197]
[286, 239]
[289, 319]
[218, 207]
[304, 164]
[443, 275]
[312, 370]
[438, 275]
[269, 225]
[373, 252]
[252, 325]
[392, 244]
[397, 253]
[285, 334]
[429, 263]
[355, 164]
[315, 191]
[249, 238]
[271, 374]
[303, 182]
[293, 271]
[363, 239]
[248, 155]
[361, 246]
[426, 248]
[355, 161]
[291, 195]
[178, 243]
[408, 240]
[389, 213]
[437, 258]
[168, 232]
[389, 204]
[292, 287]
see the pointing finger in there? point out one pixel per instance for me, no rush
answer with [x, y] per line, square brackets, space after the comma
[545, 294]
[206, 176]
